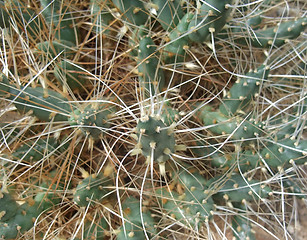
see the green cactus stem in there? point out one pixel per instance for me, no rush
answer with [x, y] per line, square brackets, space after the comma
[242, 92]
[133, 221]
[92, 189]
[276, 36]
[221, 124]
[191, 203]
[70, 76]
[177, 43]
[168, 13]
[151, 76]
[42, 103]
[242, 228]
[237, 189]
[93, 120]
[59, 18]
[156, 141]
[101, 17]
[212, 16]
[133, 10]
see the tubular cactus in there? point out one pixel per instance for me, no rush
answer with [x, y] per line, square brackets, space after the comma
[93, 120]
[242, 228]
[51, 49]
[34, 151]
[276, 36]
[237, 189]
[168, 13]
[42, 103]
[192, 204]
[91, 190]
[285, 153]
[22, 218]
[8, 206]
[101, 18]
[59, 17]
[133, 221]
[95, 229]
[156, 140]
[151, 76]
[218, 123]
[177, 42]
[133, 10]
[244, 89]
[211, 18]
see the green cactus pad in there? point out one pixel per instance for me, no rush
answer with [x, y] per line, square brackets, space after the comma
[133, 221]
[43, 103]
[236, 189]
[58, 15]
[51, 49]
[244, 89]
[168, 13]
[101, 17]
[8, 207]
[34, 151]
[133, 10]
[177, 42]
[219, 123]
[93, 120]
[155, 139]
[151, 76]
[212, 16]
[95, 229]
[242, 228]
[284, 153]
[276, 36]
[92, 189]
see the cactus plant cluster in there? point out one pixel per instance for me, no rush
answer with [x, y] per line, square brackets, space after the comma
[193, 112]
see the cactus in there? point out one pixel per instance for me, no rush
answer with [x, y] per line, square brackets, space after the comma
[276, 36]
[93, 120]
[133, 10]
[101, 17]
[156, 141]
[168, 13]
[211, 18]
[95, 230]
[244, 89]
[43, 103]
[8, 206]
[236, 126]
[242, 228]
[250, 190]
[33, 151]
[151, 76]
[193, 204]
[133, 221]
[92, 189]
[59, 18]
[235, 151]
[177, 40]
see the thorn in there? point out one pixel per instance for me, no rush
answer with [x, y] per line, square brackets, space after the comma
[136, 151]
